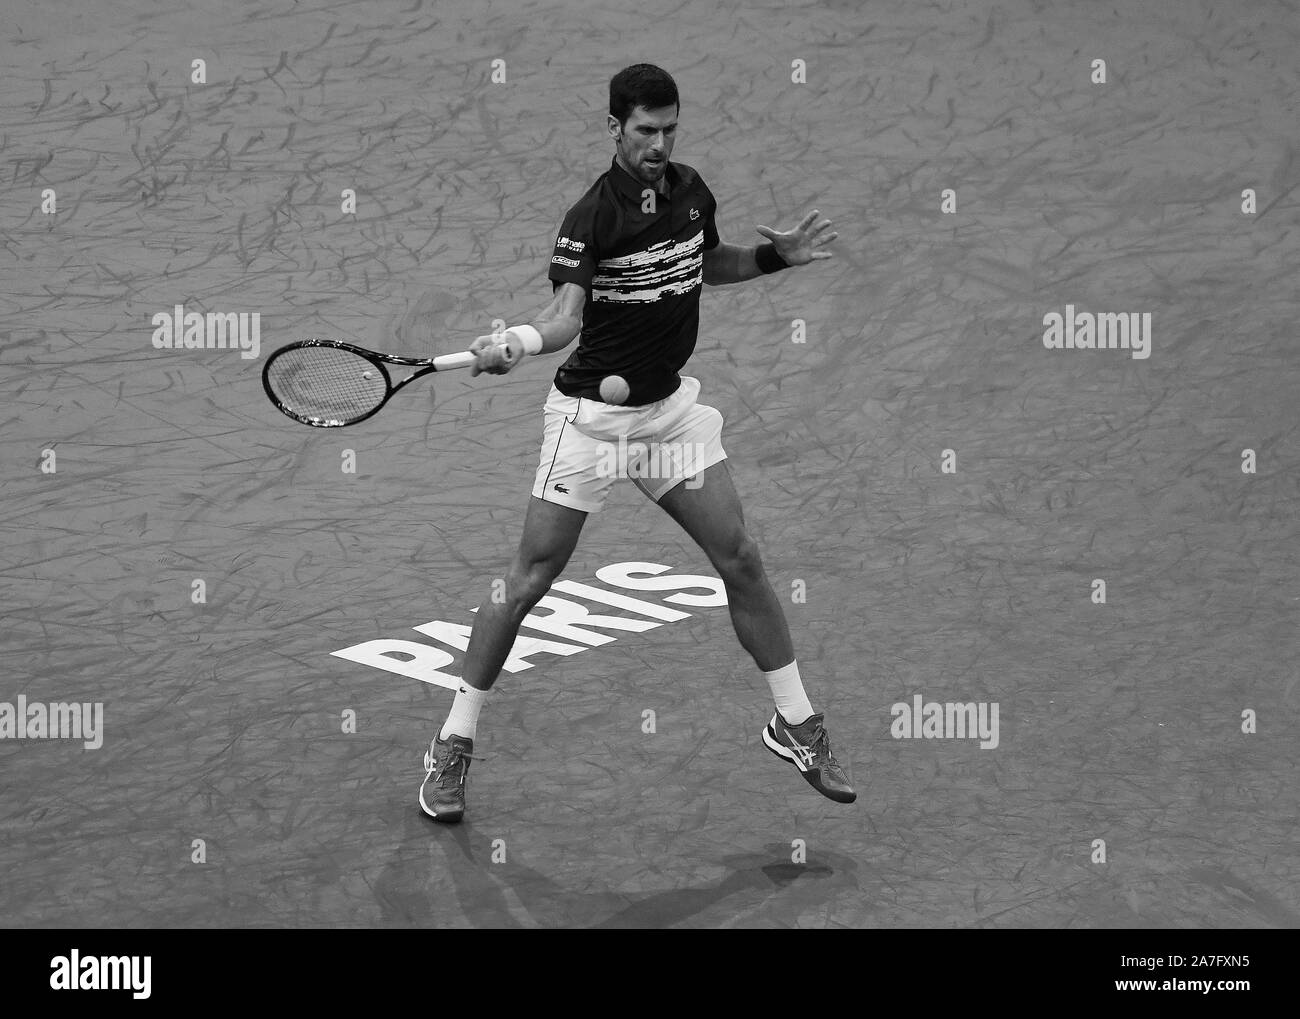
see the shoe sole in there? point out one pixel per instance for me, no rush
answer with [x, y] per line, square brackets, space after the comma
[446, 817]
[784, 753]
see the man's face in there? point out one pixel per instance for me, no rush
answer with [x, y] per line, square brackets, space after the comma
[645, 142]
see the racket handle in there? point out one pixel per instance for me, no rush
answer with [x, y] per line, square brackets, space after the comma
[446, 362]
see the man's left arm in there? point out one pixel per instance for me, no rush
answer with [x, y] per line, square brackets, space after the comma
[735, 263]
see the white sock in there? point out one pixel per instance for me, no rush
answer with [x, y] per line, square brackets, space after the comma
[788, 692]
[463, 720]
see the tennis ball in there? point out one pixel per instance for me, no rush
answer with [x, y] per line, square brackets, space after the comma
[614, 389]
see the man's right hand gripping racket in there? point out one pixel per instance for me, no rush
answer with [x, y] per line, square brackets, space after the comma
[328, 384]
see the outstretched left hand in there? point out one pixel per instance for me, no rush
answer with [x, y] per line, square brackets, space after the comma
[799, 246]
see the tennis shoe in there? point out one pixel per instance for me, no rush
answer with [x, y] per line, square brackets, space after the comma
[446, 763]
[808, 748]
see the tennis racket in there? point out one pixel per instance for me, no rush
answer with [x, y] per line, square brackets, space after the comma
[329, 384]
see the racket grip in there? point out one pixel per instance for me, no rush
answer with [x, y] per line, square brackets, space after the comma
[446, 362]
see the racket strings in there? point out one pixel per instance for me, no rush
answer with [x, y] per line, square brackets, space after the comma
[325, 384]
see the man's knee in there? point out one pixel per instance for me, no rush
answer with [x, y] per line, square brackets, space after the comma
[528, 580]
[550, 534]
[739, 561]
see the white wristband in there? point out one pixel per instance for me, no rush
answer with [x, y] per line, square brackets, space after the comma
[529, 337]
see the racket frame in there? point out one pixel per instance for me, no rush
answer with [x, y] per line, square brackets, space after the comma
[425, 366]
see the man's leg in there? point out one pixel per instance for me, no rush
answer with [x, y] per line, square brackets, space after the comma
[550, 536]
[711, 514]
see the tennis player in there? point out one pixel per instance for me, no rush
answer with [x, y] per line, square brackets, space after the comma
[627, 271]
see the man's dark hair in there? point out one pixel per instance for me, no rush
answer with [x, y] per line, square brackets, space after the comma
[641, 85]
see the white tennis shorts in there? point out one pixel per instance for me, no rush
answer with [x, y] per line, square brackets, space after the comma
[587, 445]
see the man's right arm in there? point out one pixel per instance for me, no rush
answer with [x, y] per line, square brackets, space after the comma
[561, 320]
[557, 324]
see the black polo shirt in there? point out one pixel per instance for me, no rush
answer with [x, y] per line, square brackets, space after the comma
[643, 272]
